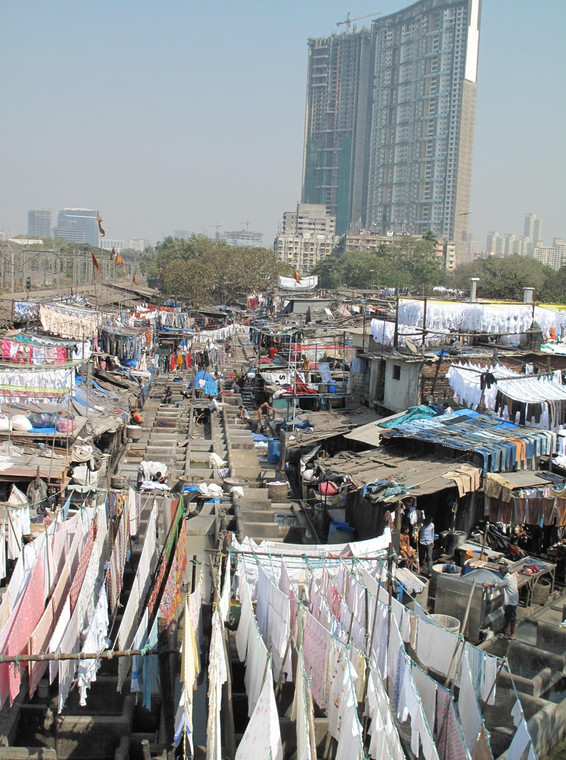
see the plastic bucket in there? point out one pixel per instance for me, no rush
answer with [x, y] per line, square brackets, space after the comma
[332, 387]
[340, 532]
[451, 624]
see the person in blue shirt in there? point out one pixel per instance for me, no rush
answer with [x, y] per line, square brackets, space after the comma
[426, 546]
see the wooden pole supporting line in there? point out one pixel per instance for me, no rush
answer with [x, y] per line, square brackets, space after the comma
[108, 654]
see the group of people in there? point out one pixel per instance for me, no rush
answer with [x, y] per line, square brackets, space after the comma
[426, 546]
[507, 581]
[263, 416]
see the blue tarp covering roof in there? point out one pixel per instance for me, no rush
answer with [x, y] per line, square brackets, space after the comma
[415, 413]
[501, 444]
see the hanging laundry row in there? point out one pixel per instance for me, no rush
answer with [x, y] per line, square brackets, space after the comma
[26, 309]
[69, 321]
[337, 598]
[174, 319]
[538, 401]
[383, 333]
[125, 343]
[21, 385]
[218, 335]
[22, 351]
[479, 317]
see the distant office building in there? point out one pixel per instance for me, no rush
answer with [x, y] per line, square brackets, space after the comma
[491, 242]
[242, 239]
[107, 244]
[538, 238]
[390, 122]
[133, 244]
[39, 223]
[307, 236]
[509, 245]
[77, 225]
[529, 228]
[181, 234]
[532, 234]
[138, 244]
[337, 125]
[472, 250]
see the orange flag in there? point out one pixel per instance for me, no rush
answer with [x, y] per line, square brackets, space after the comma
[118, 260]
[134, 281]
[296, 275]
[95, 263]
[99, 220]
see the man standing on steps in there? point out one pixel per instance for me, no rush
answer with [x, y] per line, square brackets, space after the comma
[263, 413]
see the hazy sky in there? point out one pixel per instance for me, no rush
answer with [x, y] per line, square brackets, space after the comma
[186, 114]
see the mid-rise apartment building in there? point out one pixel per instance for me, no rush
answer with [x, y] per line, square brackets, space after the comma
[307, 236]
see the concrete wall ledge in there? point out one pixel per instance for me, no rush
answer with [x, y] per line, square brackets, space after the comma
[25, 753]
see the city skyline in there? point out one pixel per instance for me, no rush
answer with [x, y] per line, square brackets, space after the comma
[390, 122]
[208, 129]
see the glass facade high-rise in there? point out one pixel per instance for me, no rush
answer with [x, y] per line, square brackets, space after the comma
[336, 133]
[39, 223]
[413, 132]
[77, 225]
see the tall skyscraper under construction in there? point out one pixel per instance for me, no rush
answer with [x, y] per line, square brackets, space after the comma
[408, 153]
[336, 135]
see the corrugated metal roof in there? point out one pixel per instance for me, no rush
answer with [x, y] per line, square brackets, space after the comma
[371, 433]
[420, 475]
[330, 424]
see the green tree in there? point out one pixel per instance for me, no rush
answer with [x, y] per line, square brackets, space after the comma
[206, 271]
[408, 262]
[505, 278]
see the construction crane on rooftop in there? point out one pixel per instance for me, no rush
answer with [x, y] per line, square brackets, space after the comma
[347, 21]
